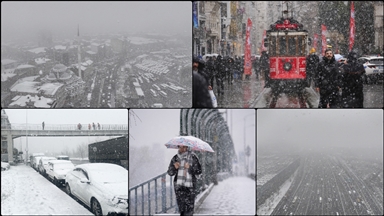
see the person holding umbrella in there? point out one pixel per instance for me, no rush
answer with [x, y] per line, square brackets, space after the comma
[184, 166]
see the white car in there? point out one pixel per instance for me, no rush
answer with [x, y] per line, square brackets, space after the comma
[58, 169]
[374, 66]
[103, 187]
[5, 166]
[43, 164]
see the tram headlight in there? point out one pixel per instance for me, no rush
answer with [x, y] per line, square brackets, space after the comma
[287, 66]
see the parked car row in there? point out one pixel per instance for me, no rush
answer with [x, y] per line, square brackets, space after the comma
[103, 187]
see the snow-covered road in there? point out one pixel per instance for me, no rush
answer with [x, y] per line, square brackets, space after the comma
[233, 196]
[25, 192]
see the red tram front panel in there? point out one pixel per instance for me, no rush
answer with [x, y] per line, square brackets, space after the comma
[287, 68]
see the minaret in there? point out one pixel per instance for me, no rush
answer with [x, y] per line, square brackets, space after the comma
[78, 50]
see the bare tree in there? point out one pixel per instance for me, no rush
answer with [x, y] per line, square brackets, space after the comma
[132, 118]
[82, 150]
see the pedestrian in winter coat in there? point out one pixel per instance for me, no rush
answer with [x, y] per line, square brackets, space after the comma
[219, 75]
[89, 126]
[94, 126]
[328, 81]
[264, 66]
[98, 125]
[230, 69]
[185, 166]
[352, 96]
[311, 66]
[43, 124]
[200, 95]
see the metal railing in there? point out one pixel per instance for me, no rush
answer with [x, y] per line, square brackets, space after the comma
[150, 200]
[69, 127]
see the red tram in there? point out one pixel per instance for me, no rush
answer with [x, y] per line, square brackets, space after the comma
[287, 44]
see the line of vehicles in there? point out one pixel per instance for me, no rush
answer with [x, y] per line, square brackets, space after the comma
[102, 184]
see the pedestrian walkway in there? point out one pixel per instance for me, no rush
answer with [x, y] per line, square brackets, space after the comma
[25, 192]
[233, 196]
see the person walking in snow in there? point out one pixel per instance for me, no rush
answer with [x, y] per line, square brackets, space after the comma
[185, 166]
[43, 124]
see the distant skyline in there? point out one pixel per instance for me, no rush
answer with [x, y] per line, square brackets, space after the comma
[23, 20]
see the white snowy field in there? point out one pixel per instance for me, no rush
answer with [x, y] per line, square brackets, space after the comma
[233, 196]
[25, 192]
[271, 203]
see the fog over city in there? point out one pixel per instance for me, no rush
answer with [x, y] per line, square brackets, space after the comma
[22, 20]
[325, 130]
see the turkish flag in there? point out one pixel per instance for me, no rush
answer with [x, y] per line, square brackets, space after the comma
[323, 39]
[352, 27]
[247, 54]
[315, 41]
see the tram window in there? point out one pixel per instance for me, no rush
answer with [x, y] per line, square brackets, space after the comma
[283, 45]
[302, 45]
[272, 46]
[291, 46]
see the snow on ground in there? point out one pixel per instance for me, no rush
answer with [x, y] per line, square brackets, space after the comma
[25, 192]
[261, 181]
[271, 203]
[233, 196]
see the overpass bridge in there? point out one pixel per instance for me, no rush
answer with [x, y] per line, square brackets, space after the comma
[9, 132]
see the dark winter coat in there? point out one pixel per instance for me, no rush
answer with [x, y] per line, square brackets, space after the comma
[193, 170]
[200, 94]
[352, 83]
[220, 67]
[264, 61]
[328, 77]
[312, 63]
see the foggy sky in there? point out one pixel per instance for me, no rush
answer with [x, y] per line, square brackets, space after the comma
[25, 19]
[63, 116]
[154, 127]
[282, 130]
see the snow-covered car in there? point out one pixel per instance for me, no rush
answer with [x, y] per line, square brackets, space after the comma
[101, 186]
[35, 162]
[5, 166]
[43, 164]
[58, 169]
[62, 157]
[374, 66]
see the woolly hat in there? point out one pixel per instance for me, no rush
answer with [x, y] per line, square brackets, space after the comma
[313, 50]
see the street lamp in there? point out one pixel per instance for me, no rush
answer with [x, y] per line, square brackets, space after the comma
[245, 119]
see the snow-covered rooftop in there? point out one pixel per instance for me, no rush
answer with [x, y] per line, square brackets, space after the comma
[34, 87]
[22, 99]
[60, 47]
[37, 50]
[91, 52]
[41, 60]
[7, 61]
[25, 66]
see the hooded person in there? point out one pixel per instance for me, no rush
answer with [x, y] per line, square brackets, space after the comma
[185, 166]
[352, 70]
[311, 66]
[264, 66]
[328, 81]
[200, 94]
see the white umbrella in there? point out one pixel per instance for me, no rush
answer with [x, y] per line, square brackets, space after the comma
[195, 143]
[338, 56]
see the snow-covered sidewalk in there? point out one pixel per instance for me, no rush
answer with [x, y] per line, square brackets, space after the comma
[233, 196]
[25, 192]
